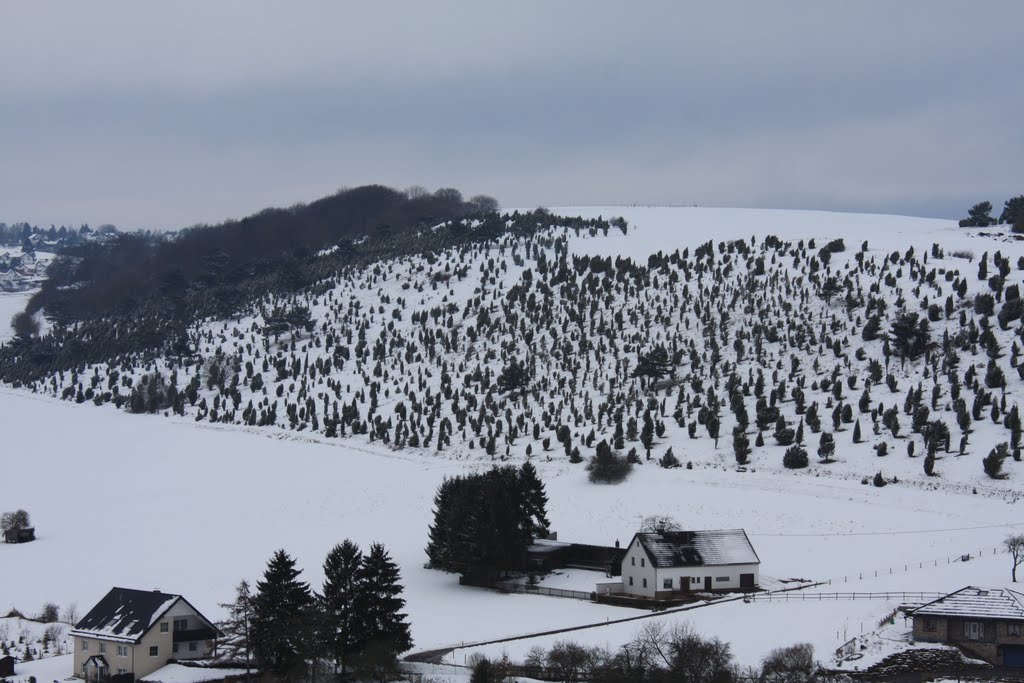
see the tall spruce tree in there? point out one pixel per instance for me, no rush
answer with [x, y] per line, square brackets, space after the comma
[280, 618]
[535, 498]
[383, 629]
[343, 580]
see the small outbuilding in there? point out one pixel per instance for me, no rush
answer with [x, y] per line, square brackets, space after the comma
[22, 535]
[7, 666]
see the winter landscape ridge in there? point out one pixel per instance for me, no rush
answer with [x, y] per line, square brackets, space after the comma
[226, 493]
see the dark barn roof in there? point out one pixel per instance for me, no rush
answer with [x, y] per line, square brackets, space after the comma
[698, 548]
[125, 614]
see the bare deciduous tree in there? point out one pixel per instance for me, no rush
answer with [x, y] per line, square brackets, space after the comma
[1015, 546]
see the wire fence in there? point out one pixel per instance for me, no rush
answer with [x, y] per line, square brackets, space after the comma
[544, 590]
[800, 596]
[914, 566]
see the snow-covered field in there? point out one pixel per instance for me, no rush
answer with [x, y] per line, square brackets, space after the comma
[187, 507]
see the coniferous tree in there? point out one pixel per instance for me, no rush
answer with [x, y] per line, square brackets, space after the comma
[382, 626]
[236, 645]
[280, 618]
[741, 446]
[340, 624]
[826, 447]
[536, 500]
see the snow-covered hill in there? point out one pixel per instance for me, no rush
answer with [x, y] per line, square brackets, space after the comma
[410, 351]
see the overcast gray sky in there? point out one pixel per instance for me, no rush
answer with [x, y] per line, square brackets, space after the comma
[162, 115]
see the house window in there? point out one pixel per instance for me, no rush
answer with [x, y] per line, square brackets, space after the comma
[193, 646]
[645, 583]
[667, 584]
[973, 630]
[121, 672]
[103, 648]
[631, 581]
[694, 579]
[632, 561]
[154, 650]
[122, 650]
[85, 645]
[174, 649]
[163, 627]
[930, 625]
[1013, 630]
[181, 624]
[642, 562]
[721, 579]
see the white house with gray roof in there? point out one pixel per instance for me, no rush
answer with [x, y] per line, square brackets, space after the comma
[671, 564]
[137, 632]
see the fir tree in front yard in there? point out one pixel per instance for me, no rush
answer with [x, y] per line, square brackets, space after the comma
[280, 618]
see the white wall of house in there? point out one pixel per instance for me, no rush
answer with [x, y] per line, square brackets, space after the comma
[198, 649]
[723, 577]
[638, 575]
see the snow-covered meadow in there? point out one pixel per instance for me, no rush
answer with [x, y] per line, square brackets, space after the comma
[192, 507]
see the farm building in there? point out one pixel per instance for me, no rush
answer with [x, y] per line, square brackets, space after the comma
[671, 565]
[987, 623]
[6, 665]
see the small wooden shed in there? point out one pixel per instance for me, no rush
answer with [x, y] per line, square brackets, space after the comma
[6, 666]
[20, 535]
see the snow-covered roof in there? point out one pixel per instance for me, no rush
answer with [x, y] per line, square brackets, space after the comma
[179, 673]
[979, 603]
[125, 614]
[698, 548]
[543, 545]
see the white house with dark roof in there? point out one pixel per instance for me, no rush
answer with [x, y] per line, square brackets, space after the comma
[136, 632]
[986, 622]
[670, 564]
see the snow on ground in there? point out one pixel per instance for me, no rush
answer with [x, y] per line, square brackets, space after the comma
[653, 229]
[178, 673]
[206, 507]
[11, 303]
[44, 670]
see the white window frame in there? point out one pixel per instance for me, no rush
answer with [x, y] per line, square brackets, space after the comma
[85, 645]
[122, 650]
[666, 584]
[154, 650]
[164, 627]
[103, 648]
